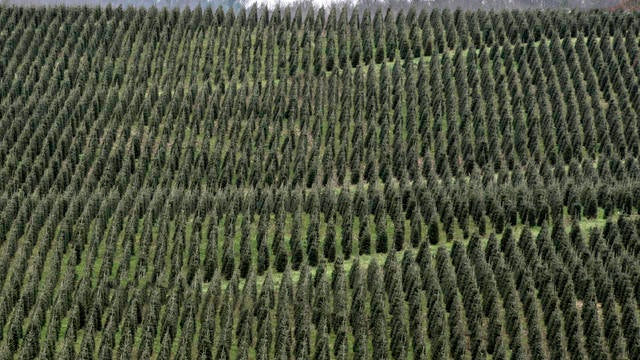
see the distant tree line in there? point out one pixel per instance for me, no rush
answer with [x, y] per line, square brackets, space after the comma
[359, 4]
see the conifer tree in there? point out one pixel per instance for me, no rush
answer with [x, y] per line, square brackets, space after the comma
[329, 245]
[322, 299]
[313, 232]
[447, 277]
[399, 337]
[339, 293]
[573, 324]
[381, 229]
[366, 36]
[594, 343]
[378, 318]
[364, 237]
[438, 332]
[467, 285]
[357, 317]
[211, 252]
[433, 233]
[417, 325]
[630, 322]
[226, 326]
[245, 248]
[297, 253]
[283, 337]
[398, 238]
[322, 341]
[263, 252]
[263, 347]
[347, 233]
[228, 257]
[457, 329]
[612, 327]
[301, 317]
[555, 335]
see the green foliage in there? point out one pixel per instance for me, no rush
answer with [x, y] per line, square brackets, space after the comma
[198, 183]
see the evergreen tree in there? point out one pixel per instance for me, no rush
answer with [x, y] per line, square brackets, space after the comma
[245, 249]
[630, 322]
[573, 325]
[211, 252]
[379, 318]
[398, 237]
[329, 245]
[494, 329]
[433, 233]
[322, 341]
[302, 319]
[364, 237]
[594, 344]
[612, 328]
[399, 337]
[263, 253]
[283, 339]
[313, 232]
[438, 332]
[228, 257]
[555, 335]
[417, 324]
[297, 253]
[347, 234]
[447, 277]
[357, 317]
[226, 325]
[339, 292]
[457, 329]
[381, 229]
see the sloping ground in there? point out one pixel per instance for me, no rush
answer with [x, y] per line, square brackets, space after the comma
[199, 184]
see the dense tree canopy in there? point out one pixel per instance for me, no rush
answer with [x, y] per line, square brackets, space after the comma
[331, 183]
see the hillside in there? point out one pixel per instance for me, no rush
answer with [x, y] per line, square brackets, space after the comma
[407, 184]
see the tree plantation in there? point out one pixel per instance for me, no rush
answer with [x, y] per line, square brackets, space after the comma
[334, 183]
